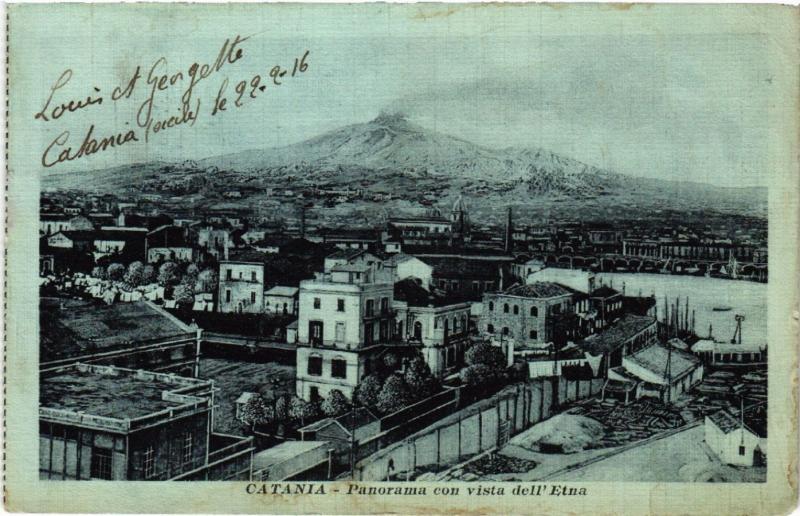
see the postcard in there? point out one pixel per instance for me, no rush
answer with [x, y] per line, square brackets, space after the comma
[402, 258]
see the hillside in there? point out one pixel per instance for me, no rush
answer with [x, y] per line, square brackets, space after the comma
[392, 155]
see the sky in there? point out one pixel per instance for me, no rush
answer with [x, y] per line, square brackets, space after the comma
[684, 95]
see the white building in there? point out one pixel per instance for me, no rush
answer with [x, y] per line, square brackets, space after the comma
[241, 286]
[402, 266]
[734, 441]
[344, 316]
[281, 300]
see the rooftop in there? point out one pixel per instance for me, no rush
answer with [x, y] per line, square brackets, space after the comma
[539, 289]
[285, 451]
[70, 328]
[627, 327]
[414, 294]
[755, 420]
[114, 393]
[281, 291]
[655, 358]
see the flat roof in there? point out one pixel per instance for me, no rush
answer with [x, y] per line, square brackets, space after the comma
[284, 451]
[69, 327]
[617, 334]
[114, 393]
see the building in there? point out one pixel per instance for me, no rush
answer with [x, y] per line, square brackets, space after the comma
[437, 322]
[352, 257]
[170, 243]
[625, 336]
[241, 284]
[281, 300]
[294, 460]
[419, 228]
[660, 372]
[402, 266]
[78, 240]
[525, 312]
[716, 353]
[109, 423]
[344, 319]
[52, 223]
[739, 441]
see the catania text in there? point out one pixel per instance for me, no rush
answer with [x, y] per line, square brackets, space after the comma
[448, 490]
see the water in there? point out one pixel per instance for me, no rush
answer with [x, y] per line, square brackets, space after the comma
[744, 297]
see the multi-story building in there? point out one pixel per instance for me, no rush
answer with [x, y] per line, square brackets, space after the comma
[344, 317]
[436, 322]
[109, 423]
[241, 285]
[525, 313]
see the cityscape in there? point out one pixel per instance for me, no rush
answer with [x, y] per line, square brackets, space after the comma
[388, 303]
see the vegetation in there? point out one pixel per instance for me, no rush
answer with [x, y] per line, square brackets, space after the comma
[486, 365]
[335, 404]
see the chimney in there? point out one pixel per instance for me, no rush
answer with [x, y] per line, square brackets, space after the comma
[509, 243]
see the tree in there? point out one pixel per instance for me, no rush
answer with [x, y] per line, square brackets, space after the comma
[282, 408]
[135, 273]
[99, 272]
[418, 378]
[368, 390]
[301, 410]
[335, 404]
[168, 274]
[256, 412]
[393, 396]
[486, 365]
[206, 281]
[116, 272]
[184, 293]
[148, 275]
[485, 353]
[191, 272]
[478, 374]
[390, 361]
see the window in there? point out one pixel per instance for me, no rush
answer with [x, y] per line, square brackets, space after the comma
[534, 311]
[314, 365]
[370, 310]
[227, 296]
[186, 447]
[505, 308]
[313, 393]
[505, 330]
[533, 334]
[317, 303]
[252, 298]
[229, 274]
[491, 306]
[490, 328]
[339, 368]
[101, 463]
[516, 310]
[252, 275]
[384, 305]
[340, 305]
[369, 333]
[149, 462]
[741, 450]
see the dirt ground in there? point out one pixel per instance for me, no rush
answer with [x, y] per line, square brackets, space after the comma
[233, 377]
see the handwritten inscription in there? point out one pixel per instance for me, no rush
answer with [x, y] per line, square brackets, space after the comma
[153, 115]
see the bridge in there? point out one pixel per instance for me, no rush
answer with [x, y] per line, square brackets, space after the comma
[625, 263]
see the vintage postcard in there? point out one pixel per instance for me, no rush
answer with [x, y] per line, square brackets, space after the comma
[402, 258]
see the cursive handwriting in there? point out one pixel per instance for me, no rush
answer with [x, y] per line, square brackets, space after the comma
[152, 116]
[89, 146]
[71, 106]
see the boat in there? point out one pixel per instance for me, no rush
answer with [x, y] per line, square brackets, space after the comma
[722, 309]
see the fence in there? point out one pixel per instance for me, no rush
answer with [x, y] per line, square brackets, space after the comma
[477, 428]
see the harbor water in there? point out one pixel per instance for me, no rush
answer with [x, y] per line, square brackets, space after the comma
[745, 298]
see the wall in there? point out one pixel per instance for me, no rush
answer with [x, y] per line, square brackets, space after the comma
[325, 382]
[474, 429]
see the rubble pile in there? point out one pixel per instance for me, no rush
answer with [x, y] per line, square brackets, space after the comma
[626, 423]
[490, 464]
